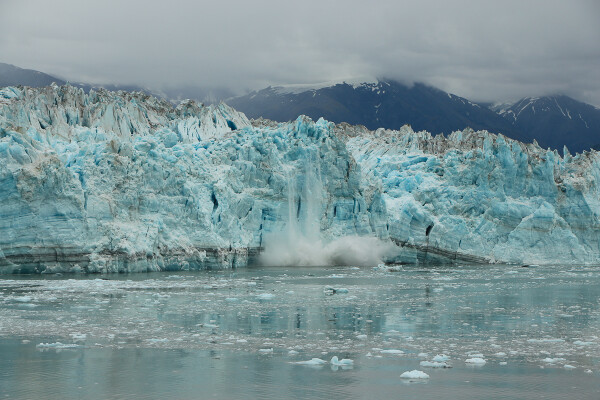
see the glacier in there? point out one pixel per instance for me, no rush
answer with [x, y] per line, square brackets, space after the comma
[123, 182]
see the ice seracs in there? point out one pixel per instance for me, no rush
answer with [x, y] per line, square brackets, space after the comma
[108, 182]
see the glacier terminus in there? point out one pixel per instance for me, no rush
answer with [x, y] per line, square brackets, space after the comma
[123, 182]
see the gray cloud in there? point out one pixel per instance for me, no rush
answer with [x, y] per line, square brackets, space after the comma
[481, 50]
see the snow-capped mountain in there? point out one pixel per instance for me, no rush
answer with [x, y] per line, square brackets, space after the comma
[106, 182]
[374, 104]
[554, 121]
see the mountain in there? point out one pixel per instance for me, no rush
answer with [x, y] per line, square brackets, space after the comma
[554, 121]
[14, 76]
[11, 75]
[119, 182]
[380, 104]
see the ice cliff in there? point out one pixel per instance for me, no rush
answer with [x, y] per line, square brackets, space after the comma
[106, 182]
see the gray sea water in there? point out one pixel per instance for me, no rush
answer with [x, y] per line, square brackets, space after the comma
[244, 333]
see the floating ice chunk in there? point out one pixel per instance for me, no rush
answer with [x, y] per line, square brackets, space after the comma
[163, 340]
[232, 299]
[392, 351]
[424, 355]
[313, 361]
[241, 341]
[435, 364]
[343, 361]
[552, 360]
[292, 352]
[547, 340]
[266, 296]
[582, 343]
[475, 355]
[475, 361]
[500, 354]
[266, 351]
[78, 336]
[589, 371]
[502, 363]
[333, 290]
[567, 366]
[414, 374]
[58, 345]
[441, 358]
[22, 299]
[362, 337]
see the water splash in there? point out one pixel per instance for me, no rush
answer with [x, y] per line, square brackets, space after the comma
[301, 243]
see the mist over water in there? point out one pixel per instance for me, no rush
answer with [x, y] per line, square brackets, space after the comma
[286, 250]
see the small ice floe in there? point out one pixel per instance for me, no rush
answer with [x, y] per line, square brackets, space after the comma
[392, 351]
[312, 361]
[332, 290]
[266, 351]
[266, 296]
[549, 360]
[22, 299]
[414, 374]
[342, 362]
[163, 340]
[441, 358]
[568, 366]
[241, 341]
[473, 355]
[78, 336]
[362, 337]
[502, 363]
[475, 361]
[423, 355]
[292, 352]
[435, 364]
[500, 354]
[232, 299]
[582, 343]
[589, 371]
[546, 340]
[58, 346]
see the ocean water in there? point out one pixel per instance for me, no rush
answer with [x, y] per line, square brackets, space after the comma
[245, 333]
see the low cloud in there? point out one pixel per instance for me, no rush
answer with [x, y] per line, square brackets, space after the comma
[482, 50]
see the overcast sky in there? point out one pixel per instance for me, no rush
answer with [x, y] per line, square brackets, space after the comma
[482, 50]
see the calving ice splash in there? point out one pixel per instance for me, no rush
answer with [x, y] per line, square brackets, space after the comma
[106, 182]
[300, 243]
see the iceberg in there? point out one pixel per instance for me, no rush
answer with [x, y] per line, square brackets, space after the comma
[123, 182]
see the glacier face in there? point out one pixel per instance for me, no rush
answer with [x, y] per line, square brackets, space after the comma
[106, 182]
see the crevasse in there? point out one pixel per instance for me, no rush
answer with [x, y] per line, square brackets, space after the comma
[107, 182]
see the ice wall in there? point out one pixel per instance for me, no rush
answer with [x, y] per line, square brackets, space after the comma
[483, 195]
[107, 181]
[124, 182]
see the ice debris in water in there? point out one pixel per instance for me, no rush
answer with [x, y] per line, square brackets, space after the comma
[333, 290]
[414, 374]
[392, 351]
[441, 358]
[475, 361]
[58, 346]
[435, 364]
[343, 361]
[312, 361]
